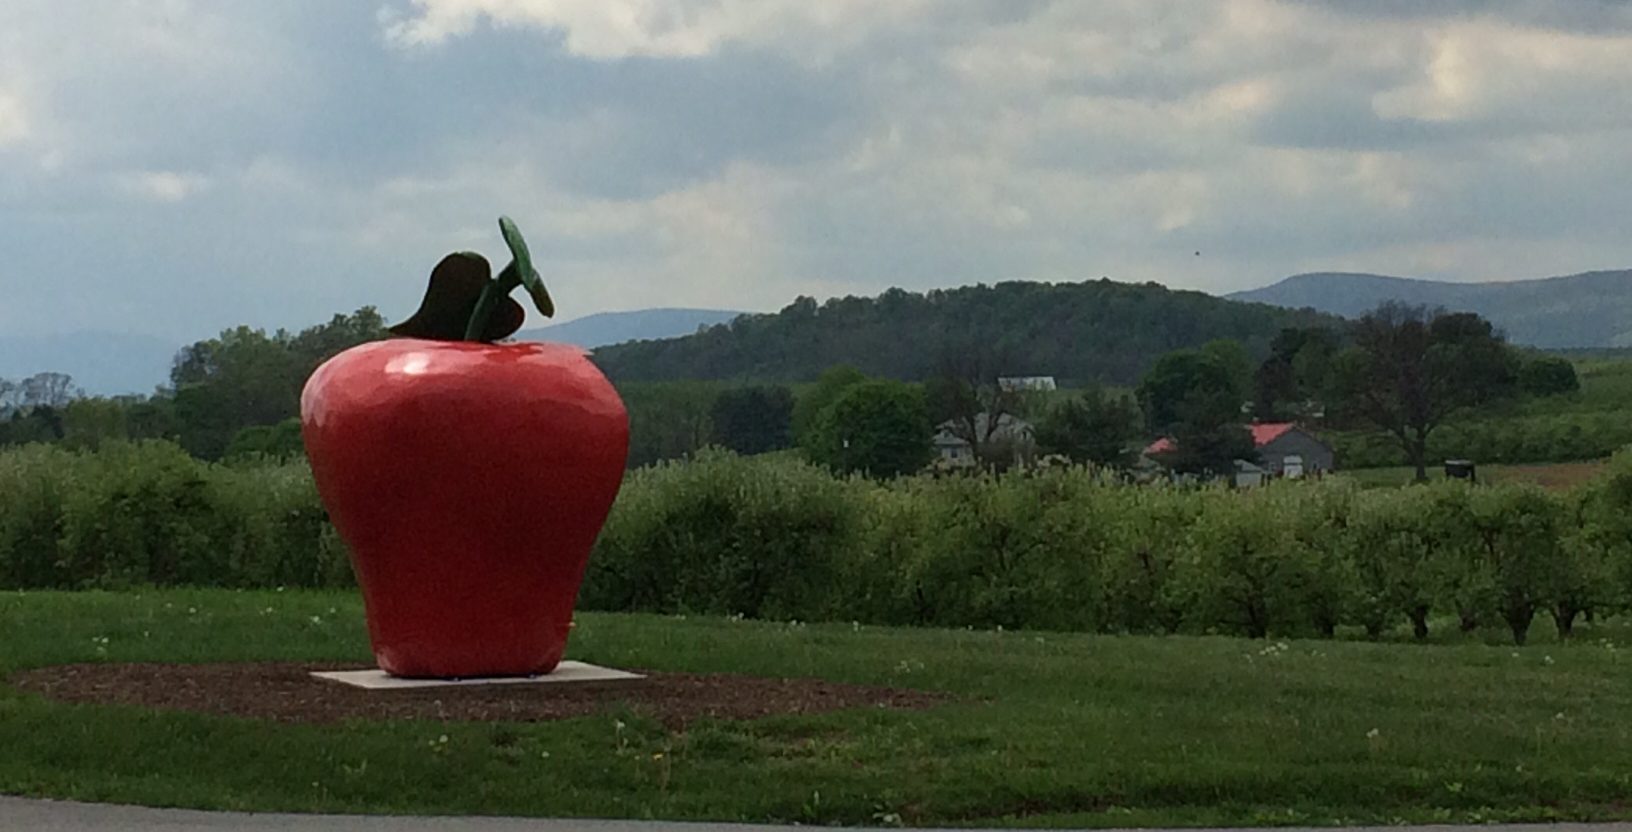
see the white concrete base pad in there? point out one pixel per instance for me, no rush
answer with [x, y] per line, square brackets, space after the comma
[567, 672]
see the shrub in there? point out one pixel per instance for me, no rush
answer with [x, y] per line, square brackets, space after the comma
[776, 537]
[725, 534]
[1390, 549]
[144, 514]
[34, 482]
[147, 513]
[1000, 551]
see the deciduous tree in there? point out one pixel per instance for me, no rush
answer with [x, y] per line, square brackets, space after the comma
[752, 419]
[1091, 426]
[1412, 368]
[878, 428]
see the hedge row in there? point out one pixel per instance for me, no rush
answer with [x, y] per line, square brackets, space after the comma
[1069, 550]
[149, 513]
[777, 538]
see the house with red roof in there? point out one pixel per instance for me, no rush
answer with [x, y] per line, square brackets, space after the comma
[1284, 449]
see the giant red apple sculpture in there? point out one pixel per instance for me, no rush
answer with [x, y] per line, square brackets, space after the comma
[469, 478]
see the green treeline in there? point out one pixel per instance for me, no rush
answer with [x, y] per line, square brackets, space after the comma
[236, 396]
[775, 537]
[1091, 332]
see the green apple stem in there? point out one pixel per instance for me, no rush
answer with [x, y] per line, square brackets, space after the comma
[496, 290]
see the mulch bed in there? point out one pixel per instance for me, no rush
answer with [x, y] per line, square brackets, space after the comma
[285, 692]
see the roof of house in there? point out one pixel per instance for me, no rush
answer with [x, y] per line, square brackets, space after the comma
[1263, 433]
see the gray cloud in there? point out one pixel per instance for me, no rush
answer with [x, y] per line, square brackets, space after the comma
[176, 167]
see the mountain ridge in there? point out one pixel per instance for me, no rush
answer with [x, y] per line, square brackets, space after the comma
[103, 363]
[605, 328]
[1586, 310]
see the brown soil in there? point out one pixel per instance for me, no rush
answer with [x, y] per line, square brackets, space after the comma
[286, 693]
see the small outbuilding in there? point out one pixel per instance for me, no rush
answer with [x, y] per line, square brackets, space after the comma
[1284, 450]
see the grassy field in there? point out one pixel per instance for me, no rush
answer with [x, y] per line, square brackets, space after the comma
[1048, 729]
[1556, 476]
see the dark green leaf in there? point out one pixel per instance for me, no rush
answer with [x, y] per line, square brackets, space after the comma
[455, 287]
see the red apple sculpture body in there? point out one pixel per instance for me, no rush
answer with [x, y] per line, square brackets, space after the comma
[469, 480]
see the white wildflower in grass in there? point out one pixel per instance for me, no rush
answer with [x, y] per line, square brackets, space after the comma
[1547, 660]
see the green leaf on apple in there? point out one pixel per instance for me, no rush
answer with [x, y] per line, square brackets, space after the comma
[456, 288]
[523, 266]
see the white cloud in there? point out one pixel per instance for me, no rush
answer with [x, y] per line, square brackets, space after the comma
[163, 185]
[1484, 70]
[14, 119]
[659, 28]
[754, 150]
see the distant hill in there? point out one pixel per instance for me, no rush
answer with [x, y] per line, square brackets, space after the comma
[104, 363]
[1582, 311]
[599, 330]
[1094, 331]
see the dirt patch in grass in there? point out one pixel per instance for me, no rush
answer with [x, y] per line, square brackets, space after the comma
[1560, 476]
[286, 692]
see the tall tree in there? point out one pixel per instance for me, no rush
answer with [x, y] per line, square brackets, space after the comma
[832, 383]
[878, 428]
[967, 397]
[752, 419]
[1548, 375]
[1412, 368]
[53, 390]
[1209, 449]
[1091, 426]
[1190, 387]
[1296, 377]
[1194, 398]
[667, 420]
[245, 377]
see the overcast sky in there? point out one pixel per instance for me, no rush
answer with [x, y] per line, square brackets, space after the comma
[173, 167]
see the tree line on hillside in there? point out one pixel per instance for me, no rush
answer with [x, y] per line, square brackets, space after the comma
[1402, 370]
[1091, 332]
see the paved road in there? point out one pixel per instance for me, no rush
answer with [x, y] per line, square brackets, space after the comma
[18, 815]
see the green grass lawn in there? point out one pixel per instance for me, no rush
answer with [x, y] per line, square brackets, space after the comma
[1048, 729]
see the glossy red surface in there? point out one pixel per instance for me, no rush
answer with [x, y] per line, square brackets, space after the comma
[470, 481]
